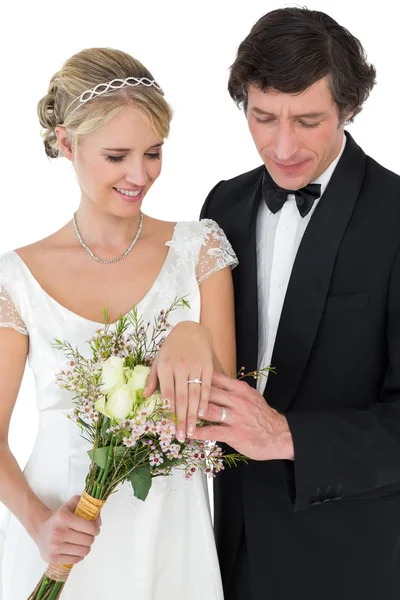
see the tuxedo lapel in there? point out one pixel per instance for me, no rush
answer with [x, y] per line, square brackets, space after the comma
[243, 238]
[311, 275]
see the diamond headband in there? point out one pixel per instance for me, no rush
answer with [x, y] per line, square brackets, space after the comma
[110, 86]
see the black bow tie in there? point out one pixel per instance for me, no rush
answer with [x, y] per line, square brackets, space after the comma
[275, 196]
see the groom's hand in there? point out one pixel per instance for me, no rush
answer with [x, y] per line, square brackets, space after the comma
[250, 426]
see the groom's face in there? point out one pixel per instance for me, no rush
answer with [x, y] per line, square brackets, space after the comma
[296, 135]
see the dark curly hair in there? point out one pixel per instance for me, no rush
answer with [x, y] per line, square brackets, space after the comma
[290, 49]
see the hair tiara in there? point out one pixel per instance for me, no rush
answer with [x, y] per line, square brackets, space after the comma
[110, 86]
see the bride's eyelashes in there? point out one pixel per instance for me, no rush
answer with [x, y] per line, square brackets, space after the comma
[114, 158]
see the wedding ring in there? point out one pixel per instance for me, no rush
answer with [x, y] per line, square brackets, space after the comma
[223, 415]
[195, 381]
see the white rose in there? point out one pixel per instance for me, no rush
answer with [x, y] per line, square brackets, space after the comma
[100, 406]
[113, 374]
[137, 380]
[120, 404]
[152, 402]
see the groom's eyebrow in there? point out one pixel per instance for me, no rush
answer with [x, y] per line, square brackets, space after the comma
[310, 115]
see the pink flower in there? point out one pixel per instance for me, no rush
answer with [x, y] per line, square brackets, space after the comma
[156, 459]
[128, 442]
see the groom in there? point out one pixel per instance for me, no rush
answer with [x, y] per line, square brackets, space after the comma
[316, 513]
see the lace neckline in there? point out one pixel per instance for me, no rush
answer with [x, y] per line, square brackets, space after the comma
[144, 299]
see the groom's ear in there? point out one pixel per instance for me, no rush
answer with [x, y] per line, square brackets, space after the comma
[64, 143]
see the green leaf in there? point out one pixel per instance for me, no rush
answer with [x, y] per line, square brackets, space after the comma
[84, 424]
[140, 479]
[99, 456]
[106, 424]
[121, 452]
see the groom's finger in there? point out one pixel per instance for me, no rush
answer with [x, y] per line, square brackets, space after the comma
[212, 432]
[223, 382]
[222, 398]
[214, 413]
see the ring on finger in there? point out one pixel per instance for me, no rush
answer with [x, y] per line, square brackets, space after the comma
[195, 381]
[223, 415]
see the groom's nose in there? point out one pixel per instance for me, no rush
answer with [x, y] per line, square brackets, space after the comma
[285, 142]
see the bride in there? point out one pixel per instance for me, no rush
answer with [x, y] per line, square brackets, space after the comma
[105, 113]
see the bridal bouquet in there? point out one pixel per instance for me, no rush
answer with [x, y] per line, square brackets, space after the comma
[133, 438]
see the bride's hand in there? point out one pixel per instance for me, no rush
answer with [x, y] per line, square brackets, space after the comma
[65, 538]
[187, 354]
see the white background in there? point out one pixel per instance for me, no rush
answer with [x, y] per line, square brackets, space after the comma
[188, 47]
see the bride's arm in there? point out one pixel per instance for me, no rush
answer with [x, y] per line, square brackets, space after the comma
[217, 317]
[61, 536]
[15, 493]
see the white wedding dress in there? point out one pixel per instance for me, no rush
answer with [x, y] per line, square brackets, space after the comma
[160, 549]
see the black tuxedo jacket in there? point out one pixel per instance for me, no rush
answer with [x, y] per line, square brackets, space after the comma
[328, 524]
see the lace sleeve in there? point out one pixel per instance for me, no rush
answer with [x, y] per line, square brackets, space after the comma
[216, 253]
[9, 316]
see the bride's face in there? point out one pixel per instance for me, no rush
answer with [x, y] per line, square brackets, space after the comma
[117, 165]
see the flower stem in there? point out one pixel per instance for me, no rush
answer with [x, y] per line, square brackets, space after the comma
[55, 592]
[42, 588]
[108, 463]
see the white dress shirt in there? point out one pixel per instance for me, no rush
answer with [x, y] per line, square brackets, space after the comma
[278, 238]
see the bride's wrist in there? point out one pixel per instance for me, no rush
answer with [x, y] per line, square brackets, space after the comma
[37, 514]
[193, 326]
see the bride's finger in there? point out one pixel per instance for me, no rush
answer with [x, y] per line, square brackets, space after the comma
[181, 403]
[152, 380]
[205, 390]
[194, 394]
[167, 385]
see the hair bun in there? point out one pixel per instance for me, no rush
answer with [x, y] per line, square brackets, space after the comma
[48, 119]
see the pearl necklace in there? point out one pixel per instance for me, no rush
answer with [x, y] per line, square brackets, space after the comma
[112, 260]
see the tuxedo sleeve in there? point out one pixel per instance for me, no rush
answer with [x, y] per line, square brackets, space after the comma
[206, 211]
[349, 454]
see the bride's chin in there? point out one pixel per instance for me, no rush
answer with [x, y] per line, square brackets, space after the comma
[120, 210]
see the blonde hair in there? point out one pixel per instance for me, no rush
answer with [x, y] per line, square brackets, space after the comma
[84, 71]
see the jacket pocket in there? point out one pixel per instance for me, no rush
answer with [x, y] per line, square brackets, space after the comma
[346, 303]
[362, 499]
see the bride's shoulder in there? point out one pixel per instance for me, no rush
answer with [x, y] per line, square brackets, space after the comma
[169, 230]
[188, 237]
[198, 236]
[14, 263]
[10, 269]
[31, 252]
[202, 228]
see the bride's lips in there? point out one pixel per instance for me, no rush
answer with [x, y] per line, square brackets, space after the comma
[130, 196]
